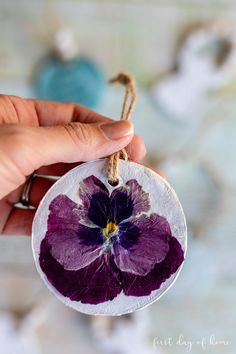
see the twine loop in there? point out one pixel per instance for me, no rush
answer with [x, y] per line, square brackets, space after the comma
[127, 109]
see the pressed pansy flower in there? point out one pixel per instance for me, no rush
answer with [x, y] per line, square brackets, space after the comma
[108, 244]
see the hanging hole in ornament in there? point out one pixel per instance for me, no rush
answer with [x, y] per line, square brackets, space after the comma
[114, 183]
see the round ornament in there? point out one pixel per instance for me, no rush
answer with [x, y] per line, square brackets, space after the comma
[104, 249]
[68, 77]
[78, 80]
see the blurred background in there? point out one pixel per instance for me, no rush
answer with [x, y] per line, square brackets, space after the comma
[183, 56]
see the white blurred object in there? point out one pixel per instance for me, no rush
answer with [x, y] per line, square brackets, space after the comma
[65, 44]
[206, 61]
[170, 118]
[125, 334]
[19, 336]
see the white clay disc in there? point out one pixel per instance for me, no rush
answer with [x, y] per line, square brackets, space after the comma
[109, 250]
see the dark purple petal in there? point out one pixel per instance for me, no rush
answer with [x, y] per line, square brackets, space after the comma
[89, 186]
[142, 243]
[128, 200]
[136, 285]
[121, 205]
[95, 199]
[75, 249]
[99, 209]
[94, 284]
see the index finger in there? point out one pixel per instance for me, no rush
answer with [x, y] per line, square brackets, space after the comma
[57, 113]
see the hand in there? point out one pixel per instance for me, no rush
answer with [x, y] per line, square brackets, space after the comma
[50, 138]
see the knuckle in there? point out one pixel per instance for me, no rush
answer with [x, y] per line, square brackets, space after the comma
[78, 132]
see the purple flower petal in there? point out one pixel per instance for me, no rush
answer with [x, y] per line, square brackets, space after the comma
[75, 249]
[128, 200]
[99, 209]
[121, 205]
[94, 284]
[140, 199]
[73, 245]
[89, 186]
[142, 243]
[102, 280]
[63, 212]
[136, 285]
[95, 199]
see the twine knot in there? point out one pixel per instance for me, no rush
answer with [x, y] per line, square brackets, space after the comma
[122, 78]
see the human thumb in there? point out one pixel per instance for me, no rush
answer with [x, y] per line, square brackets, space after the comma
[32, 147]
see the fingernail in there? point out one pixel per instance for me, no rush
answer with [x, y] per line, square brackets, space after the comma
[117, 130]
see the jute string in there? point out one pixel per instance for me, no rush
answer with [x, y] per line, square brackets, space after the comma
[127, 109]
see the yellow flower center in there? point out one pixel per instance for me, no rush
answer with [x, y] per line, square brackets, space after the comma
[110, 229]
